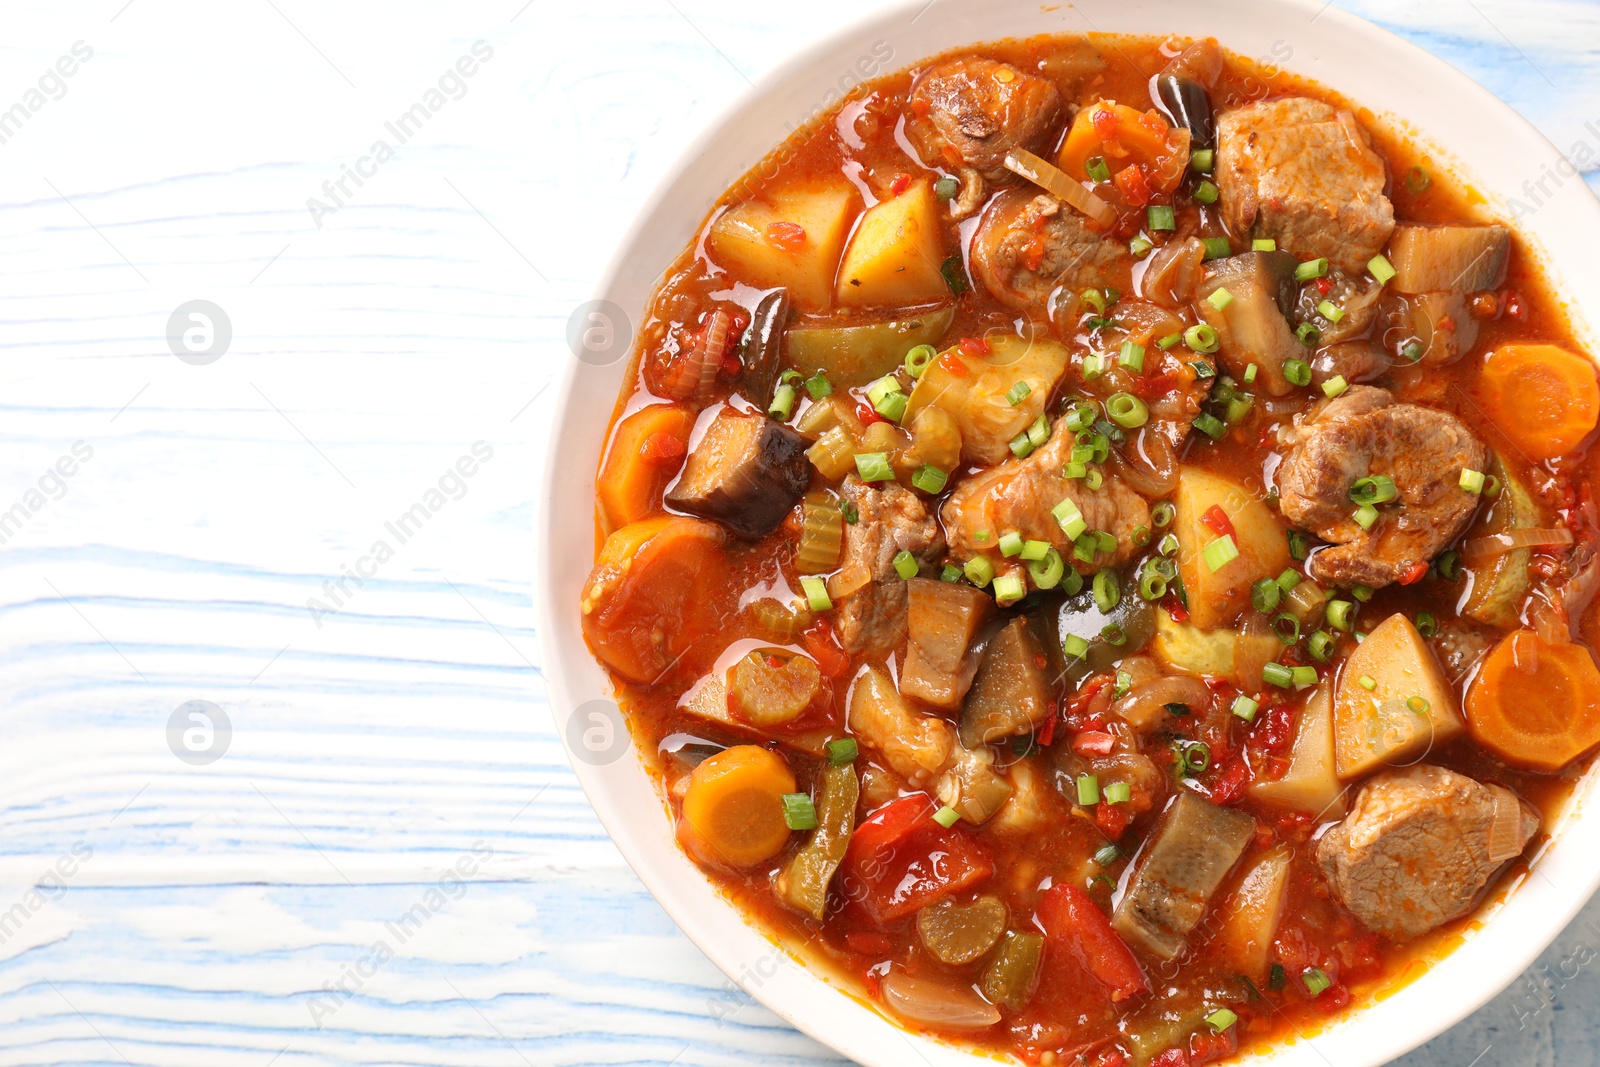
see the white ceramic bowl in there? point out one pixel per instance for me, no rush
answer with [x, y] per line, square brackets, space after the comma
[1402, 85]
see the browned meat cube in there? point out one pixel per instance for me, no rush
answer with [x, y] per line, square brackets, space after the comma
[1008, 259]
[1011, 694]
[1298, 171]
[943, 619]
[980, 109]
[746, 473]
[892, 519]
[1420, 845]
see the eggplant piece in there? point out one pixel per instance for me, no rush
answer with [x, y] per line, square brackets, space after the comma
[1358, 298]
[1186, 102]
[746, 473]
[1197, 845]
[762, 350]
[943, 619]
[1440, 324]
[1460, 259]
[1354, 361]
[1253, 326]
[803, 883]
[1010, 694]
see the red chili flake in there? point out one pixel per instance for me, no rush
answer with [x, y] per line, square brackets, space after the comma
[1093, 743]
[1324, 286]
[1175, 608]
[1296, 826]
[975, 347]
[952, 363]
[1218, 520]
[662, 449]
[1087, 692]
[789, 236]
[1047, 736]
[867, 414]
[1135, 187]
[901, 183]
[1335, 998]
[1207, 1046]
[1150, 386]
[1415, 571]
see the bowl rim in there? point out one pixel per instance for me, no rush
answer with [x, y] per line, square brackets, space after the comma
[722, 932]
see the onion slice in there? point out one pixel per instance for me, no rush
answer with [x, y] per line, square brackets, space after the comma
[1491, 545]
[852, 577]
[1506, 828]
[949, 1007]
[1049, 177]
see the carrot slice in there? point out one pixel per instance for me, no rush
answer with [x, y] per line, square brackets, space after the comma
[652, 594]
[637, 468]
[1122, 136]
[734, 804]
[1535, 704]
[1544, 398]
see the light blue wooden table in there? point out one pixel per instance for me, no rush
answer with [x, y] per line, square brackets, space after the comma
[381, 856]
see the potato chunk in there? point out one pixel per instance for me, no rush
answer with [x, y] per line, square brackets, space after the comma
[1311, 783]
[894, 258]
[793, 239]
[1407, 710]
[1216, 596]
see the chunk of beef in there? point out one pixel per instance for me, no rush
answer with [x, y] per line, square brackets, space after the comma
[1362, 433]
[746, 472]
[972, 110]
[1020, 495]
[1420, 845]
[1296, 170]
[1026, 244]
[891, 520]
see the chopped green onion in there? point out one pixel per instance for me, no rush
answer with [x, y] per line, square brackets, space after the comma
[1367, 682]
[1082, 416]
[947, 816]
[1450, 565]
[1299, 546]
[1366, 516]
[1202, 338]
[1202, 370]
[1010, 544]
[885, 386]
[1075, 468]
[1047, 570]
[1303, 677]
[874, 467]
[1316, 982]
[1123, 684]
[1107, 590]
[946, 188]
[1168, 545]
[1116, 793]
[1381, 269]
[1245, 708]
[799, 813]
[1141, 536]
[1250, 374]
[1098, 171]
[1069, 518]
[1277, 674]
[1239, 406]
[979, 571]
[1203, 159]
[1110, 853]
[1095, 298]
[1088, 790]
[850, 512]
[1219, 553]
[1221, 1019]
[1206, 193]
[1339, 614]
[1018, 393]
[1287, 627]
[1363, 593]
[1074, 646]
[1197, 757]
[930, 479]
[1127, 410]
[1085, 546]
[1321, 646]
[906, 565]
[1311, 269]
[1168, 341]
[1297, 372]
[1288, 579]
[1334, 386]
[1265, 594]
[1161, 217]
[816, 592]
[1216, 247]
[818, 386]
[1330, 311]
[1471, 480]
[1139, 245]
[1275, 978]
[1427, 625]
[782, 405]
[1211, 426]
[1152, 586]
[1112, 634]
[1378, 489]
[1308, 334]
[892, 406]
[1008, 589]
[1220, 298]
[1132, 356]
[1417, 705]
[1092, 480]
[1034, 550]
[842, 750]
[1161, 514]
[1413, 351]
[1094, 365]
[981, 535]
[1491, 488]
[1263, 244]
[918, 359]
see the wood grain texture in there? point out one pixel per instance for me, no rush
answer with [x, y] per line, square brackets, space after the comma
[289, 902]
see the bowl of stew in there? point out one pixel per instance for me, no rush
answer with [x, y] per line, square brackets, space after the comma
[1070, 537]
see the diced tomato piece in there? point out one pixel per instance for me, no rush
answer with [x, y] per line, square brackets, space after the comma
[1093, 743]
[824, 648]
[789, 236]
[952, 363]
[731, 367]
[975, 347]
[1075, 924]
[663, 449]
[1112, 819]
[1218, 520]
[1133, 184]
[1105, 123]
[900, 860]
[901, 183]
[1230, 782]
[1415, 571]
[1275, 729]
[1207, 1046]
[1087, 692]
[1324, 286]
[1173, 1057]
